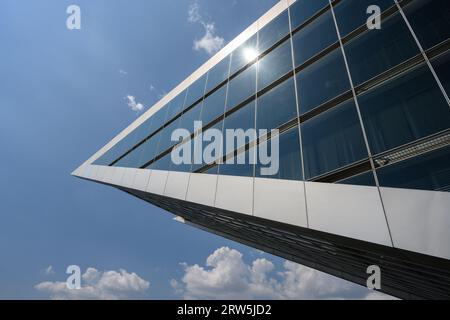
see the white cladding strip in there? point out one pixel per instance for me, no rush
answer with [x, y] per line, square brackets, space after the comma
[419, 220]
[224, 52]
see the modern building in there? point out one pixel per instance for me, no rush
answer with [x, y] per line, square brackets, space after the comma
[364, 142]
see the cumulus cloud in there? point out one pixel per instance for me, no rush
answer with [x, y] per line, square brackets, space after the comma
[133, 105]
[210, 42]
[108, 285]
[49, 270]
[227, 276]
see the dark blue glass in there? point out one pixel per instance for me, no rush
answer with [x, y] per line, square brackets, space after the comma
[162, 164]
[246, 53]
[214, 105]
[332, 140]
[363, 179]
[188, 118]
[430, 20]
[302, 10]
[150, 147]
[277, 106]
[312, 39]
[242, 87]
[430, 171]
[441, 65]
[195, 92]
[244, 119]
[290, 163]
[351, 14]
[377, 51]
[202, 143]
[400, 111]
[275, 64]
[175, 106]
[323, 80]
[273, 32]
[234, 167]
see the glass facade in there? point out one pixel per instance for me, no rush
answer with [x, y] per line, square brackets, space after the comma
[296, 75]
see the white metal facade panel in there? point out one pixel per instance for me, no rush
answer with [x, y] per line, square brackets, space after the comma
[128, 177]
[419, 220]
[280, 200]
[176, 185]
[347, 210]
[235, 194]
[157, 182]
[202, 189]
[141, 179]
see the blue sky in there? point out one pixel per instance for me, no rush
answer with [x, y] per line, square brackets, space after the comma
[62, 97]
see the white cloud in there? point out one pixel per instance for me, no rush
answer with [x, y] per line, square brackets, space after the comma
[227, 276]
[49, 270]
[210, 42]
[152, 88]
[96, 284]
[123, 72]
[135, 106]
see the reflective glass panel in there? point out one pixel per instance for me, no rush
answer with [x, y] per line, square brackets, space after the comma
[214, 105]
[302, 10]
[150, 147]
[400, 111]
[246, 53]
[323, 80]
[363, 179]
[242, 87]
[218, 74]
[275, 64]
[442, 67]
[244, 119]
[332, 140]
[273, 32]
[195, 91]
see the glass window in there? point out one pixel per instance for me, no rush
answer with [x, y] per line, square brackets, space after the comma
[332, 140]
[351, 14]
[430, 20]
[212, 170]
[400, 111]
[325, 79]
[179, 151]
[275, 64]
[166, 136]
[363, 179]
[162, 164]
[218, 74]
[158, 120]
[243, 55]
[277, 106]
[175, 106]
[237, 167]
[203, 144]
[241, 87]
[187, 118]
[195, 91]
[214, 105]
[132, 160]
[273, 32]
[244, 119]
[376, 51]
[442, 67]
[289, 161]
[149, 148]
[142, 130]
[302, 10]
[316, 36]
[430, 171]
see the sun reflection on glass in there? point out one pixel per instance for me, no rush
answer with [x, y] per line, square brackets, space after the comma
[250, 54]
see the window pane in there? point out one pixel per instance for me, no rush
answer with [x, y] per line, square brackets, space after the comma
[162, 164]
[302, 10]
[430, 20]
[203, 144]
[442, 67]
[430, 171]
[150, 147]
[142, 131]
[277, 106]
[214, 105]
[274, 65]
[242, 87]
[403, 110]
[166, 134]
[180, 151]
[236, 167]
[376, 51]
[133, 159]
[332, 140]
[315, 37]
[363, 179]
[290, 164]
[243, 55]
[244, 119]
[218, 74]
[273, 32]
[323, 80]
[158, 120]
[187, 119]
[175, 106]
[195, 92]
[351, 14]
